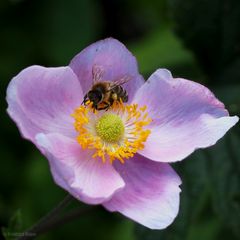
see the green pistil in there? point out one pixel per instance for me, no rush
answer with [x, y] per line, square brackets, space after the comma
[110, 128]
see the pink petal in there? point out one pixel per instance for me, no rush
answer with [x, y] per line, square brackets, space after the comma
[41, 100]
[89, 180]
[151, 194]
[114, 58]
[186, 116]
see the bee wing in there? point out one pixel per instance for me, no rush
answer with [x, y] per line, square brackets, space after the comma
[97, 73]
[120, 81]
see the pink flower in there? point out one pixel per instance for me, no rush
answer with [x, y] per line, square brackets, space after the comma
[118, 158]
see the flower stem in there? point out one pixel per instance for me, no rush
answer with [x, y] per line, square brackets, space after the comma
[33, 231]
[58, 221]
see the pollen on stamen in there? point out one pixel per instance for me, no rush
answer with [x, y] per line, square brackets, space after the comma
[114, 134]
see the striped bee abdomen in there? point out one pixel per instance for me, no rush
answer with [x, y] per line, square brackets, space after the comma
[121, 93]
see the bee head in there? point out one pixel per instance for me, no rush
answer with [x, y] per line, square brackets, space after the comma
[95, 96]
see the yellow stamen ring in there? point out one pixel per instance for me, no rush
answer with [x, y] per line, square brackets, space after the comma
[114, 134]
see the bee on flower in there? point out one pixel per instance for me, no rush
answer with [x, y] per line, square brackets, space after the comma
[103, 93]
[109, 136]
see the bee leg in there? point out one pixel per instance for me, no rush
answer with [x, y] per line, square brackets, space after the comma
[95, 106]
[107, 105]
[101, 108]
[84, 100]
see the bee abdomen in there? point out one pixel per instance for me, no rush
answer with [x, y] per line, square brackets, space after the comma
[121, 93]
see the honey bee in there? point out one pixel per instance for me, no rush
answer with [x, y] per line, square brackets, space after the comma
[103, 93]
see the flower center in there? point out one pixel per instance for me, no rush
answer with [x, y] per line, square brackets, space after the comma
[116, 134]
[110, 128]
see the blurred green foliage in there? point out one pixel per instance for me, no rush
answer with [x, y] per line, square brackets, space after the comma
[211, 30]
[199, 40]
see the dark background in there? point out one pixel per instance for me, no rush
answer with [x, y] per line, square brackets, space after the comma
[195, 39]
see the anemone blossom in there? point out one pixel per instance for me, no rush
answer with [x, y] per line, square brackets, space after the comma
[118, 158]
